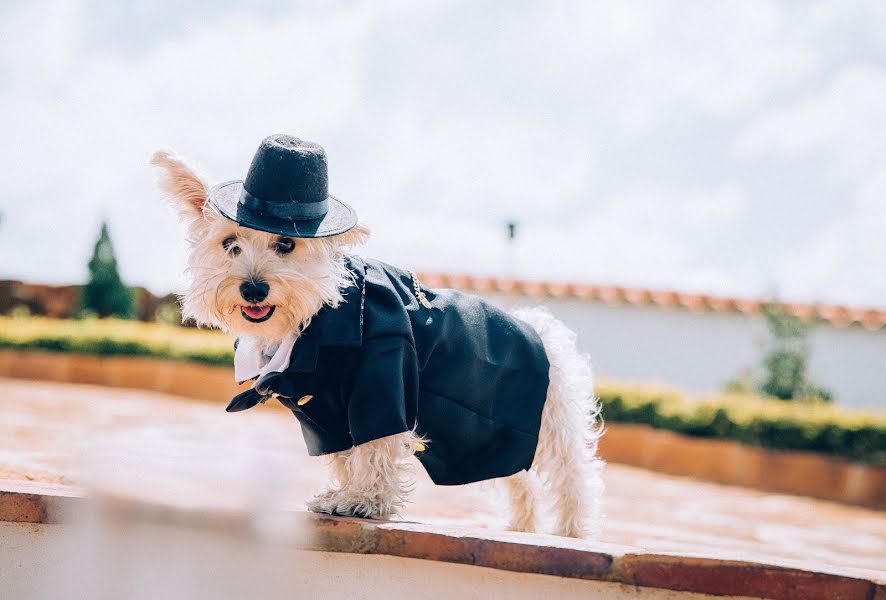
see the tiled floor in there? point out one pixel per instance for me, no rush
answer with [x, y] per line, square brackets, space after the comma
[157, 445]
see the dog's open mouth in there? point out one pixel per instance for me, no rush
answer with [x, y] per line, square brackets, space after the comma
[257, 314]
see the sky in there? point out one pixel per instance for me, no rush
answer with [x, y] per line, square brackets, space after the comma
[720, 147]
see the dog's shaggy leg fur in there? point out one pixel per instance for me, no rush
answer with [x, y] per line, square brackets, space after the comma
[337, 479]
[567, 441]
[522, 490]
[371, 480]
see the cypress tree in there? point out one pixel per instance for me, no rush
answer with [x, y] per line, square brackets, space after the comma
[105, 294]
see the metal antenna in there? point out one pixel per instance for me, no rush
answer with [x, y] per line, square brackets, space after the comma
[511, 249]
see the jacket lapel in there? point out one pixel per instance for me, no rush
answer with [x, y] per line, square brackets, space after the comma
[341, 326]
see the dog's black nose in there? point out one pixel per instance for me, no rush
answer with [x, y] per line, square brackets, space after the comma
[254, 291]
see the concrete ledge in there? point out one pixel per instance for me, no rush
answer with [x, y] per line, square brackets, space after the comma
[721, 461]
[516, 552]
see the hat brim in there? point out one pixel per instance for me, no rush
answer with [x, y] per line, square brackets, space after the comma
[226, 198]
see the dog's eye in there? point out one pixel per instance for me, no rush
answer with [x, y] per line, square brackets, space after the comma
[284, 245]
[229, 245]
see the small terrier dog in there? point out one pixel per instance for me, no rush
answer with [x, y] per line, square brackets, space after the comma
[279, 282]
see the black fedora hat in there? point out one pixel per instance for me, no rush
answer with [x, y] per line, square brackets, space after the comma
[286, 191]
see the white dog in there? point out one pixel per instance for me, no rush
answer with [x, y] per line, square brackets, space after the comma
[267, 288]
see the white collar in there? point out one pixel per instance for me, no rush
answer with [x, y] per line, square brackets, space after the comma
[252, 360]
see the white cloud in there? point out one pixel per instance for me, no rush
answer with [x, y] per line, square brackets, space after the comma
[805, 271]
[696, 212]
[652, 60]
[845, 123]
[441, 120]
[40, 40]
[843, 128]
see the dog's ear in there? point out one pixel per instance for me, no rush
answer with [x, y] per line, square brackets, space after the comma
[182, 185]
[356, 236]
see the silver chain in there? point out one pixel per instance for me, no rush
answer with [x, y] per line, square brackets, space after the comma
[422, 299]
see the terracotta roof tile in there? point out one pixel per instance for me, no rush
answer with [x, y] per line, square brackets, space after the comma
[837, 315]
[693, 302]
[665, 298]
[584, 291]
[558, 290]
[721, 304]
[637, 296]
[611, 295]
[534, 289]
[804, 311]
[748, 306]
[872, 319]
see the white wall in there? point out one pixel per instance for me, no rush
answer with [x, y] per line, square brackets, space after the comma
[700, 351]
[852, 363]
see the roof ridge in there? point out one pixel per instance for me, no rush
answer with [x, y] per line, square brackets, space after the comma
[838, 315]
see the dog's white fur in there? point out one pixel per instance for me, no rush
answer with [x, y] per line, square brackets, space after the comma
[374, 479]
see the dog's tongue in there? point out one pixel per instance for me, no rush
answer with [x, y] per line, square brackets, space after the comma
[256, 312]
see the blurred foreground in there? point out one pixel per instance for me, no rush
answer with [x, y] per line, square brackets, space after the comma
[163, 448]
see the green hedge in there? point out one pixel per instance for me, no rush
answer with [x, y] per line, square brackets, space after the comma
[110, 347]
[755, 420]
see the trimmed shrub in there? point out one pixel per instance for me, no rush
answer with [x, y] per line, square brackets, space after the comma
[751, 419]
[114, 337]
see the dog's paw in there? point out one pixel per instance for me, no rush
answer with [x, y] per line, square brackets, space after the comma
[321, 502]
[349, 504]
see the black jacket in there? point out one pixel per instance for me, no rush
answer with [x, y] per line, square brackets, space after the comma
[467, 376]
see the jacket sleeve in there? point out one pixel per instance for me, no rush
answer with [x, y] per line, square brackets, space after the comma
[383, 397]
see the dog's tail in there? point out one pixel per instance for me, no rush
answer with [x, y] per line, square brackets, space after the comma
[570, 429]
[571, 370]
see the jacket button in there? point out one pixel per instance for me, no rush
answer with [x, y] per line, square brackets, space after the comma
[304, 400]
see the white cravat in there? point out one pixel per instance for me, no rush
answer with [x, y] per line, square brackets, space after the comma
[250, 360]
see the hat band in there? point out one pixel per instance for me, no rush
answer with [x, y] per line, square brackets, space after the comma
[296, 211]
